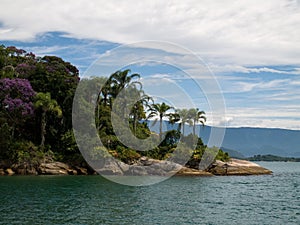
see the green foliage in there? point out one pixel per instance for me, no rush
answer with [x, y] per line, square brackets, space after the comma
[172, 138]
[184, 118]
[27, 152]
[182, 154]
[160, 110]
[223, 156]
[50, 127]
[99, 152]
[126, 155]
[155, 153]
[45, 104]
[56, 82]
[68, 143]
[5, 140]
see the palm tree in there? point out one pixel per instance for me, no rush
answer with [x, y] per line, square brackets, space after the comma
[160, 110]
[137, 111]
[120, 80]
[44, 103]
[197, 116]
[184, 117]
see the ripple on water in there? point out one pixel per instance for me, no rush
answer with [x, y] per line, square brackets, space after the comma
[246, 200]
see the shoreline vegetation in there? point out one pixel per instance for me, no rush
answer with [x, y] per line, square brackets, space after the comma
[273, 158]
[37, 136]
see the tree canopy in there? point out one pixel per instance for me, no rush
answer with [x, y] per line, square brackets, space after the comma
[36, 97]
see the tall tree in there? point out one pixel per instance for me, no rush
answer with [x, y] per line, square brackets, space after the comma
[121, 79]
[160, 110]
[44, 103]
[138, 110]
[197, 116]
[16, 96]
[184, 118]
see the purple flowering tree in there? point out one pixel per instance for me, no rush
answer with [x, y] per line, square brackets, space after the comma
[24, 70]
[16, 100]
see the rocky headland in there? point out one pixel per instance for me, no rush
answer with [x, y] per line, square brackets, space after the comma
[143, 167]
[237, 167]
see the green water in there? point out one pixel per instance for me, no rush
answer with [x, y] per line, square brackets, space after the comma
[271, 199]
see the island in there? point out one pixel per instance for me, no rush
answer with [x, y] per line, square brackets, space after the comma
[40, 134]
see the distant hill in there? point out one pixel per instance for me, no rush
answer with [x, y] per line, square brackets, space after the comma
[247, 142]
[255, 141]
[273, 158]
[233, 153]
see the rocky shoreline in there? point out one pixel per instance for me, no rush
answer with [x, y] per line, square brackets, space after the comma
[143, 167]
[49, 168]
[237, 167]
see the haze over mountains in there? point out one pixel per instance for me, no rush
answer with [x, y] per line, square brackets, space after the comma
[246, 141]
[254, 141]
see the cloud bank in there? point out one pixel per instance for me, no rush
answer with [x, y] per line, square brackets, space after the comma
[233, 32]
[253, 47]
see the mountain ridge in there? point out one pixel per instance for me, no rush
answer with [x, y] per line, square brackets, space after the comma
[250, 141]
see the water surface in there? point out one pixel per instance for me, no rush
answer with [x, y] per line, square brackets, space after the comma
[269, 199]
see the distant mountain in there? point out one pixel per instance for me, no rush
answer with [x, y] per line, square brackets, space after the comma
[273, 158]
[254, 141]
[246, 141]
[233, 153]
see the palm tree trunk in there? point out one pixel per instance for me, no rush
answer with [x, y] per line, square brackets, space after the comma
[183, 129]
[160, 128]
[134, 123]
[43, 128]
[194, 128]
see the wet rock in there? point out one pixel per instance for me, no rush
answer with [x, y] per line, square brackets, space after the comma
[9, 172]
[54, 168]
[2, 172]
[72, 172]
[25, 169]
[137, 171]
[185, 171]
[113, 167]
[81, 170]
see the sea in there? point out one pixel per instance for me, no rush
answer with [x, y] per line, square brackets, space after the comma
[267, 199]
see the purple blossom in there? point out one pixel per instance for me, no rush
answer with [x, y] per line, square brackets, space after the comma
[16, 96]
[30, 55]
[24, 69]
[50, 69]
[15, 50]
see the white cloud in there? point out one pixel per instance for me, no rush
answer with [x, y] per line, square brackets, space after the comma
[233, 36]
[267, 85]
[282, 117]
[235, 32]
[44, 50]
[243, 69]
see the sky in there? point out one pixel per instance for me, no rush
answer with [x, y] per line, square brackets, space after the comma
[248, 50]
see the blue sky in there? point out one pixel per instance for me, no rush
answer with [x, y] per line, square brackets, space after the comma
[252, 49]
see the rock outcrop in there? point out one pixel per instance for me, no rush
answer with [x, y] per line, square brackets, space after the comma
[59, 168]
[237, 167]
[9, 171]
[112, 167]
[25, 169]
[2, 172]
[53, 168]
[148, 167]
[143, 167]
[185, 171]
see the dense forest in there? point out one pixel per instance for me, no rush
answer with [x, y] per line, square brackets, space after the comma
[273, 158]
[36, 100]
